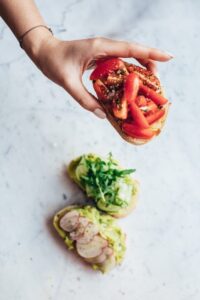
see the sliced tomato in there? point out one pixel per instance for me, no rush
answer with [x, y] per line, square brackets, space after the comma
[155, 97]
[141, 101]
[137, 132]
[137, 115]
[101, 90]
[151, 106]
[120, 110]
[107, 66]
[131, 87]
[155, 116]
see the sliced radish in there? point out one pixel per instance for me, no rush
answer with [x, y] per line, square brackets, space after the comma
[93, 248]
[79, 231]
[108, 251]
[83, 221]
[97, 260]
[70, 221]
[90, 231]
[109, 263]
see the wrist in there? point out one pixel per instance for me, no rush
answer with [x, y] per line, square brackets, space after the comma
[35, 40]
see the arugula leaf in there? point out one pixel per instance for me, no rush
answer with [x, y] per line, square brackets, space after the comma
[101, 178]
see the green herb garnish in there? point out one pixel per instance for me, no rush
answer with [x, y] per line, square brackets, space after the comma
[101, 178]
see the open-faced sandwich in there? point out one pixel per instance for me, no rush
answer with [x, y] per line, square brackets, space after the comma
[93, 235]
[132, 98]
[103, 180]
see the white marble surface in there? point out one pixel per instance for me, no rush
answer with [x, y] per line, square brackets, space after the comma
[42, 129]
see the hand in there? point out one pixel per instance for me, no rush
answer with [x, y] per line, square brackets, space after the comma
[64, 62]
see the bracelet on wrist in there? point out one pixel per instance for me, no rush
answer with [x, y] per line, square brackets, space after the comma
[21, 38]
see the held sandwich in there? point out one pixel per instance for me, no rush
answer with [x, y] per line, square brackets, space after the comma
[132, 98]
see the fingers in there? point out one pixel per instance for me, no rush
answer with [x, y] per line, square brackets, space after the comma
[77, 90]
[126, 49]
[142, 52]
[151, 65]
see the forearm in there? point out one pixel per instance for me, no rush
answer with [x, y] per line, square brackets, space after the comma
[20, 16]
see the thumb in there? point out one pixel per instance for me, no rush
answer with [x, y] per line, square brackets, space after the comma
[78, 91]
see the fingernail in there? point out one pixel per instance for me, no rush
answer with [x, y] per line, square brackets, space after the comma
[100, 113]
[170, 54]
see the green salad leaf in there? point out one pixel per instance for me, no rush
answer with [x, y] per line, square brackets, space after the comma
[101, 178]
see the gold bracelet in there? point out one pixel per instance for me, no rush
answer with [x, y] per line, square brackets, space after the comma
[21, 38]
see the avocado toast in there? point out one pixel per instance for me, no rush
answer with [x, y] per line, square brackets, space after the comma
[92, 234]
[103, 180]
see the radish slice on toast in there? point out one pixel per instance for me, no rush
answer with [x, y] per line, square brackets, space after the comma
[109, 263]
[69, 221]
[107, 251]
[79, 231]
[93, 248]
[90, 231]
[96, 260]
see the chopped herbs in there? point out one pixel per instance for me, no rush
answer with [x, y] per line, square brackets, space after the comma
[101, 179]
